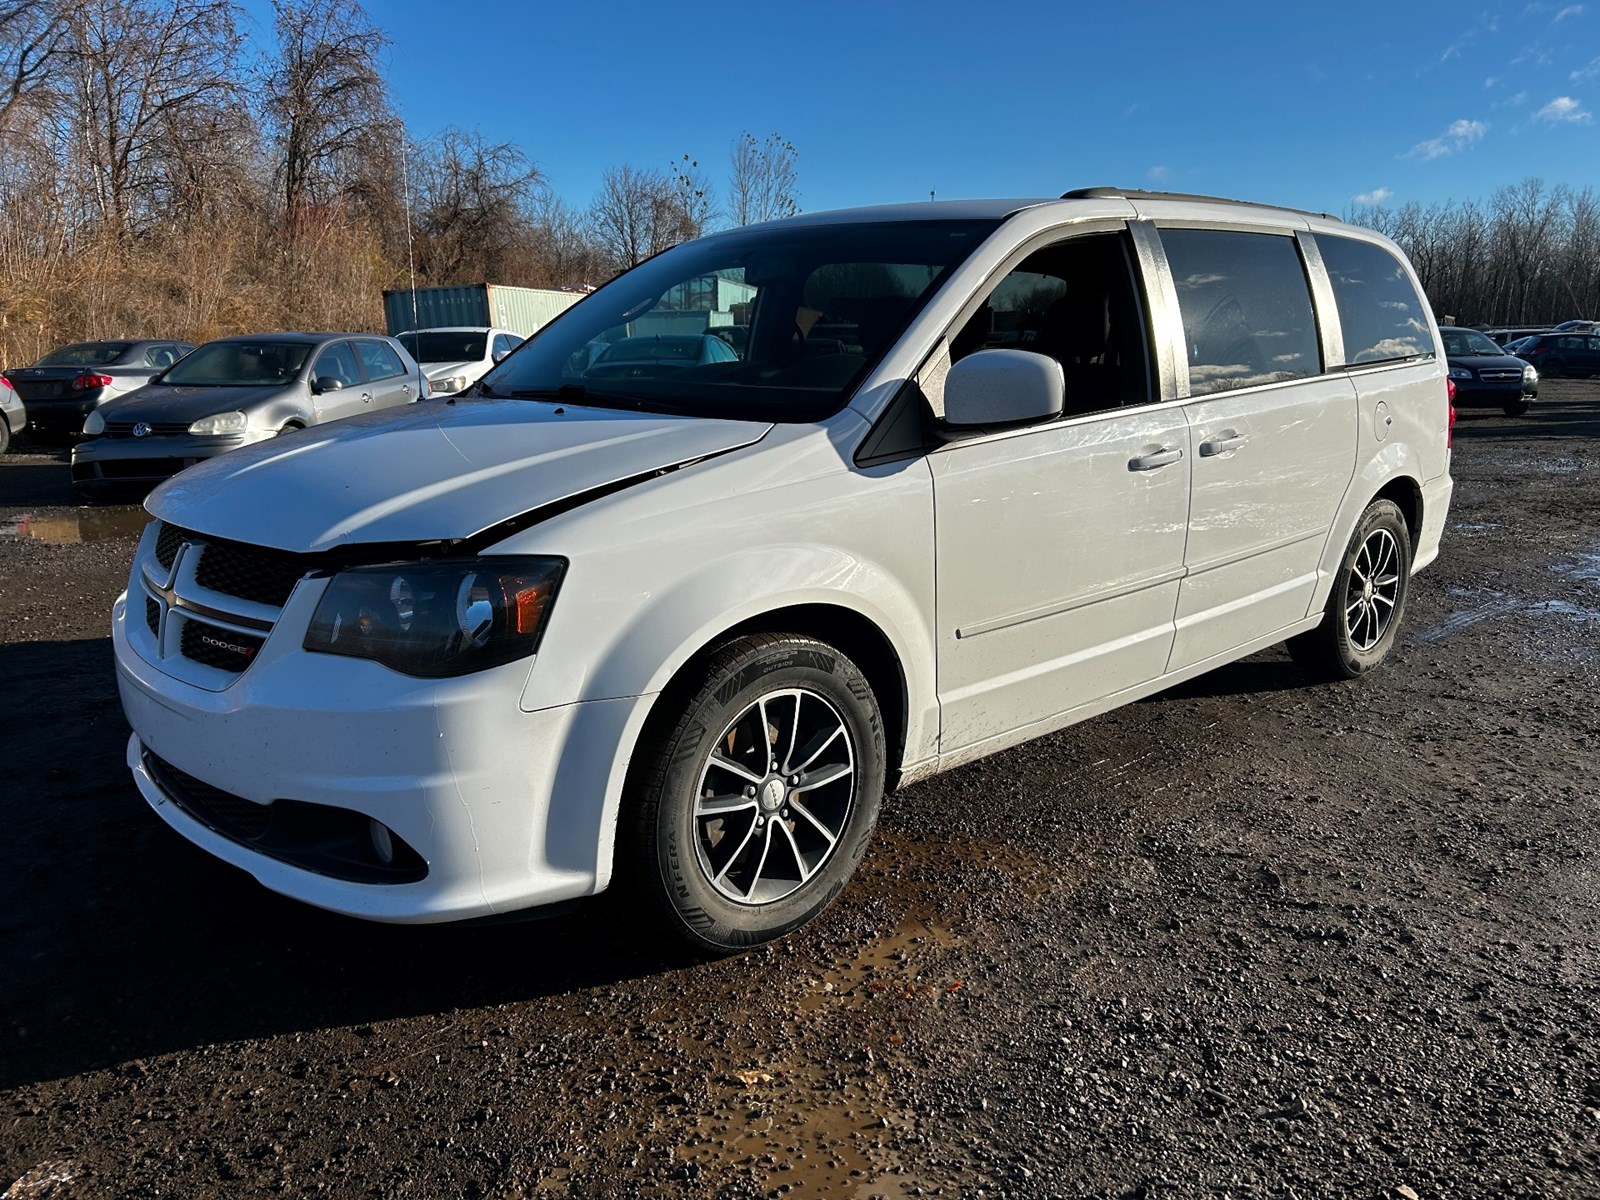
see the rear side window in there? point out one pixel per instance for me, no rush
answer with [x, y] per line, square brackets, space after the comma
[1246, 307]
[1380, 313]
[380, 360]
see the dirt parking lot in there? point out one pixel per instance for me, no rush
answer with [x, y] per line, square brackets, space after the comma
[1253, 937]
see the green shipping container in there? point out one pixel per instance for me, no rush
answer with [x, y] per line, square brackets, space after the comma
[519, 309]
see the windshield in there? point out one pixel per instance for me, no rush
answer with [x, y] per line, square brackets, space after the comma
[84, 354]
[776, 324]
[441, 347]
[1461, 341]
[239, 364]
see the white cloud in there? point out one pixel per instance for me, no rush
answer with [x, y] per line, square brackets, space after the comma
[1375, 196]
[1458, 136]
[1158, 173]
[1571, 10]
[1491, 81]
[1564, 108]
[1584, 74]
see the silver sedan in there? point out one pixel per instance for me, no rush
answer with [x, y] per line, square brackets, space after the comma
[235, 391]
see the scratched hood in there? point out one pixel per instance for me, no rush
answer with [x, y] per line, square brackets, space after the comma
[431, 471]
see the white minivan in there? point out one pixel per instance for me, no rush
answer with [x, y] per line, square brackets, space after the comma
[677, 623]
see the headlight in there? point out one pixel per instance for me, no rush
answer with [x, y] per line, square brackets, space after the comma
[220, 425]
[95, 424]
[450, 383]
[437, 619]
[1460, 373]
[1529, 375]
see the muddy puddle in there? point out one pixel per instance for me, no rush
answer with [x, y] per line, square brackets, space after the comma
[807, 1125]
[75, 525]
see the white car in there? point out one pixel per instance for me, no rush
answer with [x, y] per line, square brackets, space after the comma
[456, 357]
[983, 470]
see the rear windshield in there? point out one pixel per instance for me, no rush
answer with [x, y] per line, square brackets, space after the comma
[85, 354]
[239, 364]
[443, 347]
[774, 323]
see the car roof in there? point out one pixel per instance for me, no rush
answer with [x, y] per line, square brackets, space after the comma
[292, 335]
[1108, 201]
[460, 329]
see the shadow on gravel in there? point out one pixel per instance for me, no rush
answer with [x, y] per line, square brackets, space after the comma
[1575, 414]
[1248, 677]
[37, 481]
[119, 940]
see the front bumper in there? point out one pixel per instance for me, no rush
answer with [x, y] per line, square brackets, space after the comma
[1475, 393]
[505, 807]
[145, 460]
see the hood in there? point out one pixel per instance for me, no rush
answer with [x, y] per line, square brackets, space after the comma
[1479, 361]
[156, 402]
[472, 368]
[434, 471]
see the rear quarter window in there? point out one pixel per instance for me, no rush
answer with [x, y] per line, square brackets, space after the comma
[1246, 307]
[1380, 314]
[380, 360]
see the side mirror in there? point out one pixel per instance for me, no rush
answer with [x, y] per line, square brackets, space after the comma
[999, 387]
[500, 355]
[327, 383]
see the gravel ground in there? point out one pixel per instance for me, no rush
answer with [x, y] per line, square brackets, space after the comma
[1252, 937]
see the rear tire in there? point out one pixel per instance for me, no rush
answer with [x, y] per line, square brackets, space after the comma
[752, 800]
[1367, 602]
[5, 434]
[1552, 369]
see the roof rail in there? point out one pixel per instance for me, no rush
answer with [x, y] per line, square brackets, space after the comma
[1116, 193]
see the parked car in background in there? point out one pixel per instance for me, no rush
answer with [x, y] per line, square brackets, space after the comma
[235, 391]
[653, 353]
[674, 623]
[456, 357]
[66, 385]
[13, 415]
[1556, 354]
[1505, 334]
[1485, 375]
[1577, 327]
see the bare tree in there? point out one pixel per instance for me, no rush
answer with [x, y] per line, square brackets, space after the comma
[474, 198]
[32, 36]
[693, 194]
[136, 65]
[637, 214]
[325, 99]
[763, 184]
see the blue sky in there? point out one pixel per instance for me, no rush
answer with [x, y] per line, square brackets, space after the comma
[1309, 105]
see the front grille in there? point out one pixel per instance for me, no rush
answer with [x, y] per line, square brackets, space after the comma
[232, 816]
[217, 647]
[1499, 375]
[248, 573]
[168, 540]
[152, 614]
[139, 468]
[122, 429]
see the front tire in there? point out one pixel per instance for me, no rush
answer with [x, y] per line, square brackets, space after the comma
[1367, 602]
[753, 800]
[1517, 408]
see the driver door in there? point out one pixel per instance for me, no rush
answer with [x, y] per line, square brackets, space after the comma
[337, 360]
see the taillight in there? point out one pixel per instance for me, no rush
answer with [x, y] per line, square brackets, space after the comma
[83, 383]
[1450, 426]
[4, 382]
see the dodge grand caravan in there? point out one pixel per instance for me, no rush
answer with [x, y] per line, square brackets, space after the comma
[977, 471]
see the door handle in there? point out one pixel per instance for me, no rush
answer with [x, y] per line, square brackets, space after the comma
[366, 397]
[1222, 443]
[1156, 459]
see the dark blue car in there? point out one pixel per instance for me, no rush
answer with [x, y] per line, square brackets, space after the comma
[1485, 375]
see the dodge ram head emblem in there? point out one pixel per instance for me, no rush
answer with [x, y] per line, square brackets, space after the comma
[142, 429]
